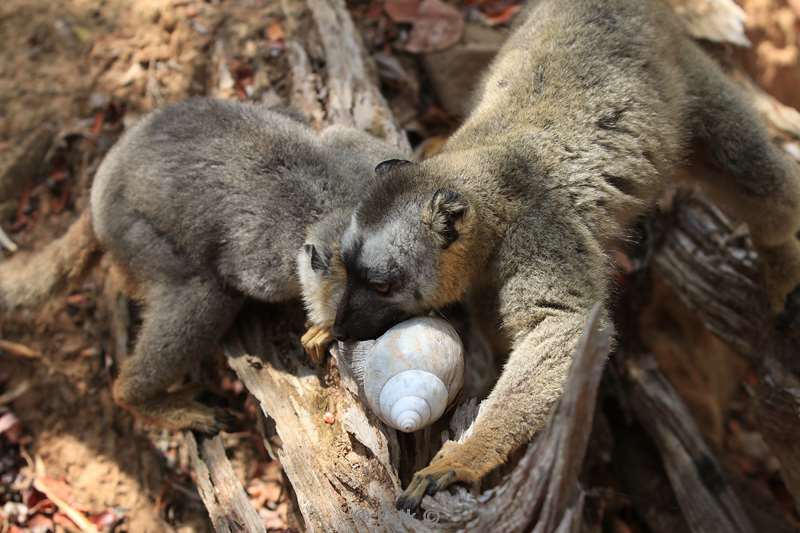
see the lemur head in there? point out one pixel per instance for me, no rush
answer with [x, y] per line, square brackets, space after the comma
[320, 268]
[405, 251]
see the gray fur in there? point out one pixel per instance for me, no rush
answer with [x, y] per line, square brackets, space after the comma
[205, 203]
[587, 110]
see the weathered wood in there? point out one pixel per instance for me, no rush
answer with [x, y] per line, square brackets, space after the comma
[708, 503]
[700, 252]
[778, 401]
[354, 98]
[344, 474]
[221, 491]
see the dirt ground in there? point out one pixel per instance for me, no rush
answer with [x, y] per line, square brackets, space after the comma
[72, 75]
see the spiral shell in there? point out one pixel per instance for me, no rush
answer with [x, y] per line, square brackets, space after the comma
[413, 372]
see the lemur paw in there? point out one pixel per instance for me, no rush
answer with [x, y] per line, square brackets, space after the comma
[455, 463]
[316, 341]
[210, 421]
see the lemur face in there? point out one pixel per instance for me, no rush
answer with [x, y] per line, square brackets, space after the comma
[395, 255]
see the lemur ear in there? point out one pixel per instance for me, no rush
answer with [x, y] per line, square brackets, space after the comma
[444, 211]
[385, 166]
[320, 262]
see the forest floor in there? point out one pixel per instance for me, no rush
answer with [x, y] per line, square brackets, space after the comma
[74, 73]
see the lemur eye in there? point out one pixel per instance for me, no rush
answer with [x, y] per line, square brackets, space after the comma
[381, 288]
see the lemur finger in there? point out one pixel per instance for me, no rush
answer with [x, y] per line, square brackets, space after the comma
[444, 481]
[309, 335]
[412, 496]
[317, 353]
[322, 341]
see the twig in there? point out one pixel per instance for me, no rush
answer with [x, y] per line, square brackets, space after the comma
[19, 350]
[220, 489]
[707, 500]
[76, 516]
[6, 242]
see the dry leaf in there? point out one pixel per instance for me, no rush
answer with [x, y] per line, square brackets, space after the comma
[275, 31]
[402, 10]
[714, 20]
[49, 489]
[780, 116]
[8, 421]
[503, 16]
[436, 27]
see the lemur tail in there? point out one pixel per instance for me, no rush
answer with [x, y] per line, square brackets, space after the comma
[28, 281]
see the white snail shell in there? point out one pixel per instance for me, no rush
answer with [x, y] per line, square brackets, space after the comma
[413, 372]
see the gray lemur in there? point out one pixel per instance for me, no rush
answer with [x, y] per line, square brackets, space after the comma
[201, 205]
[584, 115]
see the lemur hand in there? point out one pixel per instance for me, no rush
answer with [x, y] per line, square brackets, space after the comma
[455, 463]
[316, 341]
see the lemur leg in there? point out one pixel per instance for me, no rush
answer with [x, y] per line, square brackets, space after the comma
[544, 306]
[182, 324]
[761, 185]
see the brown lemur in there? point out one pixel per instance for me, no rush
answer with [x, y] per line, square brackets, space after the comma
[584, 115]
[200, 205]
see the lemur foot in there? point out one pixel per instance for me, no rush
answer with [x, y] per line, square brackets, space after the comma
[455, 463]
[316, 341]
[185, 410]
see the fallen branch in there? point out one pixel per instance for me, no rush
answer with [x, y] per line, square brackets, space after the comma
[708, 503]
[18, 350]
[222, 493]
[701, 252]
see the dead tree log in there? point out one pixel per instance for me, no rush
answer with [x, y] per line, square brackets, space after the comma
[706, 499]
[227, 504]
[701, 252]
[344, 471]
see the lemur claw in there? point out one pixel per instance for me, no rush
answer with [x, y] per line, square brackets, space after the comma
[422, 486]
[316, 341]
[453, 464]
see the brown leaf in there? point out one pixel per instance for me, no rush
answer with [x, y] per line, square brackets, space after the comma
[402, 10]
[50, 488]
[504, 16]
[437, 26]
[275, 31]
[8, 421]
[40, 521]
[715, 20]
[18, 350]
